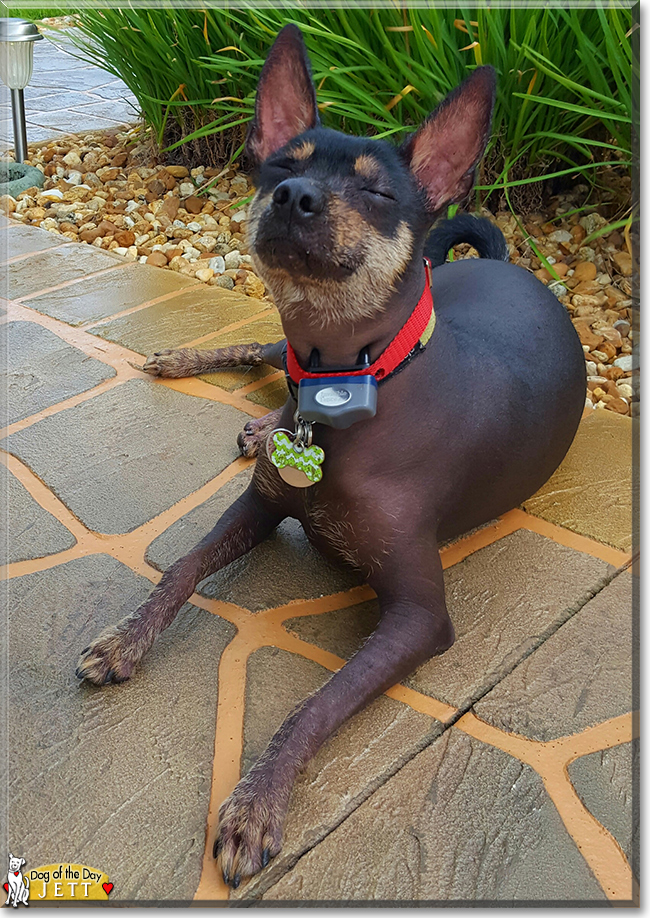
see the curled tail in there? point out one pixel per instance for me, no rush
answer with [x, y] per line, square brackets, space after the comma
[487, 239]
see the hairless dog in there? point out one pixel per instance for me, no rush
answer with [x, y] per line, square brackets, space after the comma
[338, 231]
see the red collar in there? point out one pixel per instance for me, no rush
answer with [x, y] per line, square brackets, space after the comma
[412, 332]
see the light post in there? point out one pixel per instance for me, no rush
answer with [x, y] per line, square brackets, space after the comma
[17, 37]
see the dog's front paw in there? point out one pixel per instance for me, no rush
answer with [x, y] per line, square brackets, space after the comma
[250, 827]
[171, 364]
[111, 657]
[252, 440]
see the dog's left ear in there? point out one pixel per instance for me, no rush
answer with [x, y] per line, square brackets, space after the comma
[444, 152]
[285, 104]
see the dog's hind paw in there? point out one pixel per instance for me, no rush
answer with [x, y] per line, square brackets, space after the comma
[250, 828]
[111, 657]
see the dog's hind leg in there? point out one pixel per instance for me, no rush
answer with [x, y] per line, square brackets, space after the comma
[189, 361]
[113, 655]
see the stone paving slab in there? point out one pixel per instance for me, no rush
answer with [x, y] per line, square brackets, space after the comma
[607, 782]
[272, 396]
[463, 822]
[97, 455]
[591, 492]
[497, 621]
[360, 757]
[54, 267]
[119, 776]
[23, 240]
[283, 568]
[190, 315]
[580, 677]
[30, 531]
[41, 370]
[92, 299]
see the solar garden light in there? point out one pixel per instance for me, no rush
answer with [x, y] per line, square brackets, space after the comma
[16, 65]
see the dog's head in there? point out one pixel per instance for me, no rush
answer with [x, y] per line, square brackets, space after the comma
[337, 220]
[15, 863]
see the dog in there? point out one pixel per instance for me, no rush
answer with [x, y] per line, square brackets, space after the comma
[418, 419]
[18, 885]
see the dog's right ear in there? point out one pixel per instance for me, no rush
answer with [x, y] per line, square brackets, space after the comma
[285, 105]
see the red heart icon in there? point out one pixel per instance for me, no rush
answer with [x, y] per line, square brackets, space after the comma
[16, 872]
[6, 886]
[107, 887]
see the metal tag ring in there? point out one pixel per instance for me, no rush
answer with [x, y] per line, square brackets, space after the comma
[269, 439]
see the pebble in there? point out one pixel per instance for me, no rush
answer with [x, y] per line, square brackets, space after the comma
[623, 261]
[624, 362]
[224, 281]
[584, 271]
[178, 171]
[560, 236]
[217, 264]
[72, 159]
[233, 259]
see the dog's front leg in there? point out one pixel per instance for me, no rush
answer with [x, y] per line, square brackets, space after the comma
[189, 361]
[114, 654]
[414, 626]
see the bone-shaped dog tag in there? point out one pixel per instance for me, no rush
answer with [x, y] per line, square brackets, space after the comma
[298, 465]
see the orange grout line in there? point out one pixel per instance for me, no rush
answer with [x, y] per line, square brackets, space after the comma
[159, 524]
[106, 351]
[70, 283]
[191, 385]
[43, 496]
[519, 519]
[572, 539]
[127, 312]
[550, 760]
[260, 383]
[120, 359]
[226, 764]
[241, 323]
[330, 603]
[104, 386]
[458, 551]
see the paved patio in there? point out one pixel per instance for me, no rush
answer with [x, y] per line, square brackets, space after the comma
[503, 772]
[66, 95]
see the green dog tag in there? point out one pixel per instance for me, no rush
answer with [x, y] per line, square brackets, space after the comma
[298, 465]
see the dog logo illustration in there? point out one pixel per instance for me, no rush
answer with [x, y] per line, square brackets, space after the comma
[17, 886]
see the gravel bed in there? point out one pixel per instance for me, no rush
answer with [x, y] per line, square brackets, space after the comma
[98, 191]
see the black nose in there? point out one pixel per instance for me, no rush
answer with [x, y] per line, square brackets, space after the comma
[298, 199]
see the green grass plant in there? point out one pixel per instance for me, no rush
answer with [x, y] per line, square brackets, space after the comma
[564, 93]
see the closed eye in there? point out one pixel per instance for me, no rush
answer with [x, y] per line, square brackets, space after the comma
[379, 193]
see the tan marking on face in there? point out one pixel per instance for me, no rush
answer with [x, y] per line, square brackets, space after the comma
[366, 165]
[348, 226]
[304, 151]
[360, 296]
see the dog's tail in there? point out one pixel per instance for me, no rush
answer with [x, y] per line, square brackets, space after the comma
[487, 239]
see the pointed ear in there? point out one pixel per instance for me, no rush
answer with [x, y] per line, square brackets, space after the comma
[445, 150]
[285, 105]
